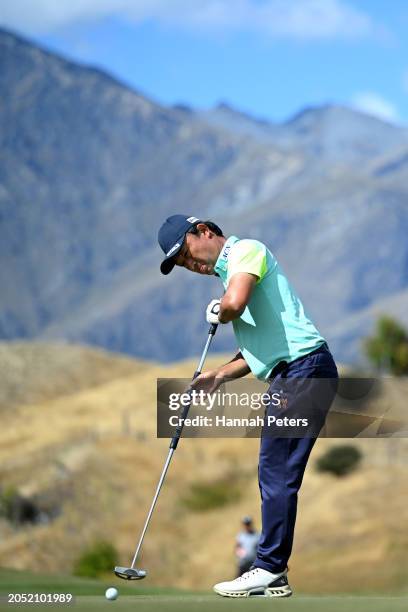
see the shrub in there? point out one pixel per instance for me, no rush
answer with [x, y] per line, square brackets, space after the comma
[16, 508]
[388, 347]
[339, 460]
[209, 495]
[99, 558]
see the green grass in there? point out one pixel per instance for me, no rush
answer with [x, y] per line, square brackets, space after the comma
[139, 597]
[16, 581]
[204, 496]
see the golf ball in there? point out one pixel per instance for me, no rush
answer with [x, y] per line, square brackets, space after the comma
[111, 593]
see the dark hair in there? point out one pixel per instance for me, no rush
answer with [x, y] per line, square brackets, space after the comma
[211, 226]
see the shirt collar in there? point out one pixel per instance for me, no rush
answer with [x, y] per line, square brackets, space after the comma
[222, 261]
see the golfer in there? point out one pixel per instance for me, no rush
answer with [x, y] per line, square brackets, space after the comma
[277, 342]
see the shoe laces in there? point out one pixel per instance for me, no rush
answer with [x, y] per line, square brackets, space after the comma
[246, 575]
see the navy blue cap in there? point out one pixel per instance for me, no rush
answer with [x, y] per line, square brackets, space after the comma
[171, 237]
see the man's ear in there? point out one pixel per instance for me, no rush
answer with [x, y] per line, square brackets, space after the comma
[202, 227]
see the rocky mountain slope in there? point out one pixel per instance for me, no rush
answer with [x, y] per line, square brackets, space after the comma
[90, 168]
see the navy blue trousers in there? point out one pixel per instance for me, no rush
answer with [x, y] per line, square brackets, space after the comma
[282, 460]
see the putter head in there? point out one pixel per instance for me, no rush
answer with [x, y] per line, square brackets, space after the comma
[129, 573]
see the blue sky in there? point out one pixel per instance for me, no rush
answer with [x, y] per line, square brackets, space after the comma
[270, 58]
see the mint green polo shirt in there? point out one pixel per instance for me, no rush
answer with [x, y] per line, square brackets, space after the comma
[274, 326]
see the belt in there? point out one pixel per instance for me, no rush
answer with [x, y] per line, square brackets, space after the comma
[284, 364]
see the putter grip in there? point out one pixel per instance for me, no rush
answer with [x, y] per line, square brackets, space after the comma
[176, 437]
[179, 429]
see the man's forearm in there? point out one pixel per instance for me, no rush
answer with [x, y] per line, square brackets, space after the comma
[237, 296]
[228, 312]
[236, 368]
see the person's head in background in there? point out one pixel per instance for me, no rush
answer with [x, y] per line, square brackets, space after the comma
[248, 524]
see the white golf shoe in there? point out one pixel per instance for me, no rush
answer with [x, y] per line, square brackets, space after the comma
[256, 582]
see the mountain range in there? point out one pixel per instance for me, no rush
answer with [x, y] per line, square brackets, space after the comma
[90, 168]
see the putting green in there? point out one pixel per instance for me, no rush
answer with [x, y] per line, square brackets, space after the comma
[90, 595]
[201, 603]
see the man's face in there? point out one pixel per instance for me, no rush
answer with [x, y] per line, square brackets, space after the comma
[199, 252]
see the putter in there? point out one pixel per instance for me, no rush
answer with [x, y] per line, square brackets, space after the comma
[132, 573]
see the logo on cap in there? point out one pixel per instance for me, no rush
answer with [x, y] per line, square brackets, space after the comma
[173, 248]
[192, 219]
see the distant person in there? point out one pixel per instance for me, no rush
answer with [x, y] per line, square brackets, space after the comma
[277, 343]
[246, 545]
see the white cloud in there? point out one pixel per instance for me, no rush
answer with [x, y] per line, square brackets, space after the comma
[374, 104]
[299, 19]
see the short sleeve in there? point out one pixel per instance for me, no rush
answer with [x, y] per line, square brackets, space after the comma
[248, 256]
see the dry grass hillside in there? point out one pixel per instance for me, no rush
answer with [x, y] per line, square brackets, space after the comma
[79, 433]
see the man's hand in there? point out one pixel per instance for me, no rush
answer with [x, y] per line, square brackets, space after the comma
[208, 381]
[212, 312]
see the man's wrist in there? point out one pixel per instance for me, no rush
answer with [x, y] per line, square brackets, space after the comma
[221, 373]
[228, 313]
[220, 318]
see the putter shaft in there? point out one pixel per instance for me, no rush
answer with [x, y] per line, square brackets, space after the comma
[159, 486]
[174, 442]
